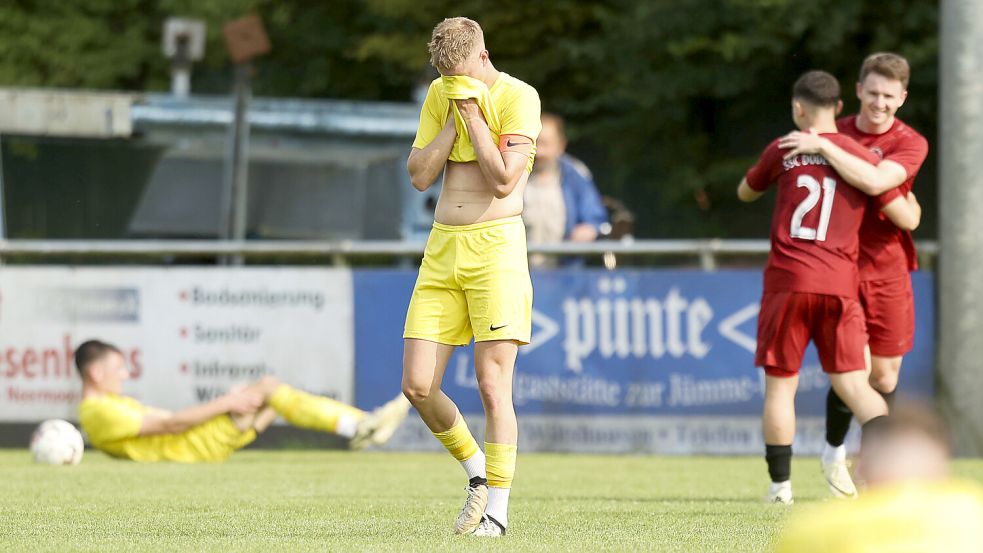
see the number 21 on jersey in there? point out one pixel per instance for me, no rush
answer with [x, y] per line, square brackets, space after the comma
[827, 191]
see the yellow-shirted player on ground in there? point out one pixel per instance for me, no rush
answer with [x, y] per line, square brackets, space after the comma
[911, 505]
[479, 126]
[123, 427]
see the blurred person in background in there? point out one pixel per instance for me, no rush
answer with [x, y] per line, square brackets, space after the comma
[122, 427]
[912, 503]
[561, 200]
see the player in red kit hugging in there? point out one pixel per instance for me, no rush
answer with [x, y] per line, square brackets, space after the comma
[887, 252]
[811, 280]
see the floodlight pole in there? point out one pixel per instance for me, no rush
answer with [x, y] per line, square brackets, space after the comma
[3, 220]
[236, 172]
[960, 282]
[245, 39]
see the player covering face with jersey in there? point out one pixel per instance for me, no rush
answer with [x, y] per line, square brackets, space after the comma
[811, 279]
[478, 127]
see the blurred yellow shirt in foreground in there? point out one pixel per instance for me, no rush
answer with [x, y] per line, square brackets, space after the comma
[923, 517]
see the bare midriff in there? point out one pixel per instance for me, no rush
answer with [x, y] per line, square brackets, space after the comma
[466, 198]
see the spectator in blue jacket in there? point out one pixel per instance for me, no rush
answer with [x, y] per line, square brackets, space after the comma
[561, 201]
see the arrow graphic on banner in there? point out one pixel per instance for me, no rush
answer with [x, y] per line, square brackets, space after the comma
[728, 327]
[543, 329]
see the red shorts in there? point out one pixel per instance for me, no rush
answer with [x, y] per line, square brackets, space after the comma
[788, 320]
[889, 307]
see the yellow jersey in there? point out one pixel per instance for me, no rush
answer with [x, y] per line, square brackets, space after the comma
[112, 424]
[924, 517]
[511, 107]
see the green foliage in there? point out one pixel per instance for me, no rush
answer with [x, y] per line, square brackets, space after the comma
[41, 42]
[668, 101]
[671, 101]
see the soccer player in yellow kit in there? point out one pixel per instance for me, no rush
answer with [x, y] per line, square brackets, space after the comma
[911, 503]
[123, 427]
[479, 126]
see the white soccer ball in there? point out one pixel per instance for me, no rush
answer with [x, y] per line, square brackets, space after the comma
[57, 442]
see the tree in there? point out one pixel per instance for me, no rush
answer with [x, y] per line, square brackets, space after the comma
[668, 101]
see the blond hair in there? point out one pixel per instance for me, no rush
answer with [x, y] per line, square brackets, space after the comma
[452, 41]
[888, 65]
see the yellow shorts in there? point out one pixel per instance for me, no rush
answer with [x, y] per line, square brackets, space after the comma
[213, 440]
[473, 282]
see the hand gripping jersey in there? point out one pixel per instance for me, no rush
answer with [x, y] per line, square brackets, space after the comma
[510, 106]
[816, 222]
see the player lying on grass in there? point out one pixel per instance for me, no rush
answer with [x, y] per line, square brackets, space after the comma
[811, 280]
[887, 252]
[122, 427]
[911, 502]
[478, 127]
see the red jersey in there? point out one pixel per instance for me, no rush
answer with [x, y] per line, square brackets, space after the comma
[816, 224]
[886, 251]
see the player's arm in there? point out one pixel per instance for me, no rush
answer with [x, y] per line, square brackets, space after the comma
[160, 422]
[747, 194]
[502, 168]
[870, 179]
[425, 164]
[159, 412]
[904, 211]
[763, 174]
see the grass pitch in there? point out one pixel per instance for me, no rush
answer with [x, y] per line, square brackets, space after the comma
[341, 501]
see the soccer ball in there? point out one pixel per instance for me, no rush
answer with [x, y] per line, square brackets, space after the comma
[57, 442]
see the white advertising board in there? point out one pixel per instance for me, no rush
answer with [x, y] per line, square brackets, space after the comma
[65, 112]
[635, 435]
[189, 334]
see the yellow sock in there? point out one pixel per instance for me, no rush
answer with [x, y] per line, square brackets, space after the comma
[458, 440]
[500, 464]
[315, 412]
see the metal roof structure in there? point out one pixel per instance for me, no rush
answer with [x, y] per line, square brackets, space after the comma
[334, 117]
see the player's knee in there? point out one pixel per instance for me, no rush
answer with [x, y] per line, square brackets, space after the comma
[494, 396]
[884, 374]
[884, 383]
[416, 392]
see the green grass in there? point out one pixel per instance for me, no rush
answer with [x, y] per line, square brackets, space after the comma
[341, 501]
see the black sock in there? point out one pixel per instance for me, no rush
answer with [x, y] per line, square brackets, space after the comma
[889, 398]
[872, 427]
[779, 458]
[838, 417]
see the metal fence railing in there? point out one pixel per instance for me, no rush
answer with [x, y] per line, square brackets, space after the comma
[706, 251]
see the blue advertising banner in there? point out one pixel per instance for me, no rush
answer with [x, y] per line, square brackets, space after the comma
[635, 343]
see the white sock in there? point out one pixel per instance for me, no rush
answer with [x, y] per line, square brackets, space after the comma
[832, 454]
[475, 465]
[347, 426]
[498, 505]
[773, 489]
